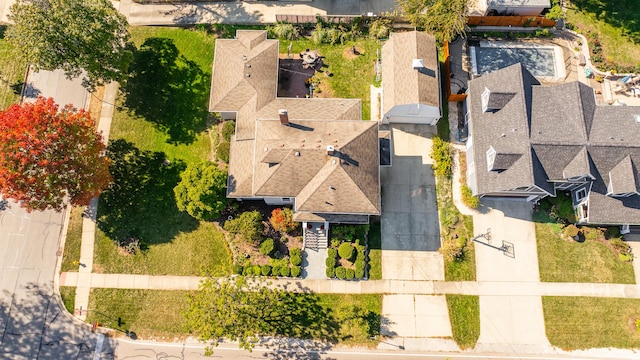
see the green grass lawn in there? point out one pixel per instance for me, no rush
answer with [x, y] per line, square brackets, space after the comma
[161, 116]
[585, 322]
[12, 71]
[154, 314]
[68, 295]
[375, 251]
[464, 269]
[74, 240]
[568, 261]
[616, 24]
[464, 314]
[198, 252]
[352, 77]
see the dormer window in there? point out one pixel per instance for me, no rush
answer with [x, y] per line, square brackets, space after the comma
[493, 101]
[491, 158]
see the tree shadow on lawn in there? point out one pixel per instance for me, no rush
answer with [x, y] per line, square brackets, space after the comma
[141, 203]
[168, 90]
[618, 14]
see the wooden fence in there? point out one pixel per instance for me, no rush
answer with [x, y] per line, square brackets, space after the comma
[515, 21]
[447, 76]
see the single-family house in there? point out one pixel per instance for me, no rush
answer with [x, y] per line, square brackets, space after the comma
[410, 79]
[530, 141]
[313, 154]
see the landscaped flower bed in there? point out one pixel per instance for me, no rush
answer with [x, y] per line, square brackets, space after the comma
[265, 248]
[347, 256]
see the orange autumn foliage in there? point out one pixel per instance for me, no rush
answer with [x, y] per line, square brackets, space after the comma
[49, 154]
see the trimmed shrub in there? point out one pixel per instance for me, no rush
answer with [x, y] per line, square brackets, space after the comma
[467, 197]
[222, 151]
[341, 272]
[248, 270]
[276, 270]
[228, 129]
[331, 272]
[248, 224]
[257, 269]
[295, 260]
[349, 274]
[613, 232]
[451, 249]
[267, 247]
[346, 251]
[295, 271]
[265, 270]
[359, 273]
[238, 269]
[571, 231]
[335, 243]
[295, 252]
[331, 262]
[441, 155]
[285, 271]
[282, 220]
[360, 264]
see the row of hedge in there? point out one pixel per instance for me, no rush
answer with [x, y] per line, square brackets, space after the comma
[267, 270]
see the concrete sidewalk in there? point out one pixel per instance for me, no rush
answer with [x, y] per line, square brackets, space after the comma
[481, 288]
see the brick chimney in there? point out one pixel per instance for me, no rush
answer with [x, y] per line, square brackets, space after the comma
[284, 117]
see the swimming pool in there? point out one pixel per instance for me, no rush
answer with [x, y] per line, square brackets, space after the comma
[543, 61]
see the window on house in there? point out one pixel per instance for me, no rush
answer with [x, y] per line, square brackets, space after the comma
[485, 99]
[286, 199]
[581, 194]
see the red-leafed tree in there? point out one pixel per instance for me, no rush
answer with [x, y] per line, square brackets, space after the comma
[48, 154]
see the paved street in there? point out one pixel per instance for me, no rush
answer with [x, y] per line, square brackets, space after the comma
[33, 325]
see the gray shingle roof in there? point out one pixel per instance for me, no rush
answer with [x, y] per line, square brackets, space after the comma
[568, 136]
[623, 178]
[402, 83]
[506, 130]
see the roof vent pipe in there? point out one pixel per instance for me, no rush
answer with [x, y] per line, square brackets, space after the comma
[284, 116]
[330, 150]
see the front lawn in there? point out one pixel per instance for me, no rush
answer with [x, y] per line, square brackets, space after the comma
[616, 25]
[351, 75]
[464, 314]
[159, 127]
[563, 260]
[198, 252]
[585, 322]
[154, 314]
[68, 295]
[72, 244]
[12, 71]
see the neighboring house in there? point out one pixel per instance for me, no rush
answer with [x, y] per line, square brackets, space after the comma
[410, 79]
[316, 155]
[513, 7]
[530, 141]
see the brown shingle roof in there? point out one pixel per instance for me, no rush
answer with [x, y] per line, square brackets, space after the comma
[403, 84]
[269, 159]
[243, 67]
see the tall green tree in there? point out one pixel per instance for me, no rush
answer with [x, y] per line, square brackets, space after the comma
[444, 18]
[242, 309]
[72, 35]
[202, 191]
